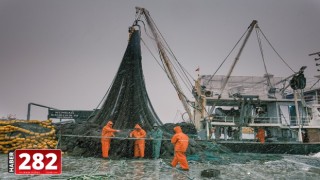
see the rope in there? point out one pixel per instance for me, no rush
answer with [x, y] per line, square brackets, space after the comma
[276, 51]
[121, 138]
[154, 57]
[171, 52]
[181, 71]
[314, 84]
[262, 56]
[227, 57]
[164, 68]
[126, 138]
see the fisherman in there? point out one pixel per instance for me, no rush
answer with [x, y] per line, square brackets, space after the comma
[139, 144]
[261, 135]
[180, 142]
[212, 132]
[156, 136]
[107, 132]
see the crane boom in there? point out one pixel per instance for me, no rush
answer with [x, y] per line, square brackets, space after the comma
[252, 25]
[167, 62]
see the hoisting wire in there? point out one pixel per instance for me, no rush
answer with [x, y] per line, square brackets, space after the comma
[276, 51]
[137, 17]
[172, 54]
[152, 55]
[262, 56]
[189, 103]
[181, 68]
[177, 89]
[222, 64]
[145, 29]
[163, 68]
[178, 70]
[227, 56]
[184, 82]
[168, 74]
[314, 83]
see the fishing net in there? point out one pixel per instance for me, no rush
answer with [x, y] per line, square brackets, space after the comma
[126, 104]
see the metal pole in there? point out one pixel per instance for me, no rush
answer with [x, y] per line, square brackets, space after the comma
[29, 110]
[297, 115]
[60, 133]
[39, 105]
[208, 128]
[252, 25]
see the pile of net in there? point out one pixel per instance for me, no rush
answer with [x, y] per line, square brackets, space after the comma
[26, 134]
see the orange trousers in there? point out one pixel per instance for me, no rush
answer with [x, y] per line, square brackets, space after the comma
[261, 139]
[180, 157]
[105, 144]
[261, 136]
[139, 150]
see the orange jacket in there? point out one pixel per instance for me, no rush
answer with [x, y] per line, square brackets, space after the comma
[180, 140]
[138, 132]
[261, 135]
[107, 130]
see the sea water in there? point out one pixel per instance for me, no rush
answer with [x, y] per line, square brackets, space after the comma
[231, 166]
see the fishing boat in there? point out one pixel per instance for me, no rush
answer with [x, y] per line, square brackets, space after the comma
[247, 106]
[281, 116]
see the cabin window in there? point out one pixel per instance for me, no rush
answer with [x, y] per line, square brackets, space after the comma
[293, 115]
[286, 133]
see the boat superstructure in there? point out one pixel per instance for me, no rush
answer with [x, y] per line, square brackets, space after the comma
[248, 102]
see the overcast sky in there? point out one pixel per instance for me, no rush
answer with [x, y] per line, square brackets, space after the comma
[64, 54]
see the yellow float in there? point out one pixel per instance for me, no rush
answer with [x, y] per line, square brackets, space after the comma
[26, 134]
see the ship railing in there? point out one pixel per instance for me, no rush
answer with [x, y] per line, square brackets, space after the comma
[305, 121]
[225, 119]
[266, 120]
[272, 121]
[279, 120]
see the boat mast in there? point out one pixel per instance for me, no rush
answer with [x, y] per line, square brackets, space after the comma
[167, 62]
[252, 25]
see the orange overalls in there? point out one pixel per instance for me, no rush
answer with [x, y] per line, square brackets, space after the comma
[139, 144]
[180, 142]
[107, 131]
[261, 135]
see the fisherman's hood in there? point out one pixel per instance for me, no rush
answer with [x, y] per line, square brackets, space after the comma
[137, 126]
[177, 129]
[110, 123]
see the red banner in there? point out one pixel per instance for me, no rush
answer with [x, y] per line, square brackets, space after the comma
[38, 161]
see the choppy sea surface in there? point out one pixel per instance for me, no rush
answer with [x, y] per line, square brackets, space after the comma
[231, 166]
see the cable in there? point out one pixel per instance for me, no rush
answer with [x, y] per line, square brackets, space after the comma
[152, 54]
[169, 49]
[227, 57]
[262, 56]
[276, 51]
[181, 69]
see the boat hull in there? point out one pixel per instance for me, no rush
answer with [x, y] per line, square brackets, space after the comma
[272, 147]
